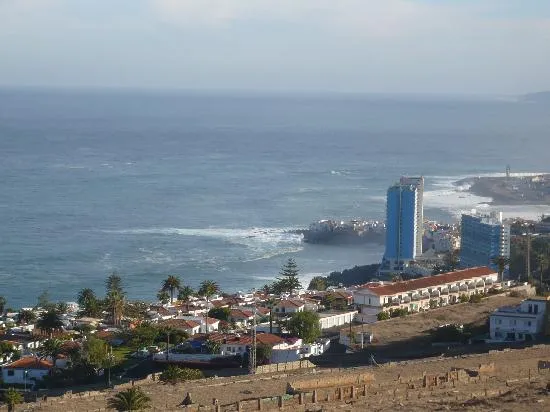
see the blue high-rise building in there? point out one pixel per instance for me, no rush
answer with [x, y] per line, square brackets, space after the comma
[483, 237]
[403, 225]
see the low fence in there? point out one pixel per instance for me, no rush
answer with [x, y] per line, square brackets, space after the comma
[282, 367]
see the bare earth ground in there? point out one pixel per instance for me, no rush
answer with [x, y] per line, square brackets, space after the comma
[418, 325]
[390, 391]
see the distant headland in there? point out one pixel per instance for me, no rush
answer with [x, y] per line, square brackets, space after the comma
[510, 189]
[539, 97]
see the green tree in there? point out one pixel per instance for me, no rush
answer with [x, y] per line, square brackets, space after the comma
[383, 315]
[318, 283]
[213, 347]
[6, 349]
[44, 302]
[49, 322]
[132, 399]
[207, 289]
[451, 260]
[263, 354]
[95, 352]
[288, 280]
[171, 284]
[114, 283]
[50, 349]
[220, 313]
[143, 336]
[501, 262]
[305, 325]
[88, 303]
[12, 397]
[61, 307]
[163, 296]
[26, 316]
[3, 302]
[115, 297]
[174, 374]
[184, 293]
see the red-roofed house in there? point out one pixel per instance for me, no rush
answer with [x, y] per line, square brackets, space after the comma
[241, 317]
[289, 306]
[213, 324]
[188, 326]
[416, 294]
[26, 370]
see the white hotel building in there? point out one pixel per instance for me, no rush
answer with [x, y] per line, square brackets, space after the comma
[415, 295]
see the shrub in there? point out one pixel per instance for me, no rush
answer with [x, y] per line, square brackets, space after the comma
[434, 303]
[174, 374]
[464, 298]
[475, 298]
[383, 315]
[399, 313]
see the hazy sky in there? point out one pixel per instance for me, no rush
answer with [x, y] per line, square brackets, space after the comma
[388, 46]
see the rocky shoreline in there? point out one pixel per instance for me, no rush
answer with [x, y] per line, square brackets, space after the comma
[511, 190]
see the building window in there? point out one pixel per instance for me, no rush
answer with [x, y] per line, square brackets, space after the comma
[11, 372]
[536, 308]
[529, 323]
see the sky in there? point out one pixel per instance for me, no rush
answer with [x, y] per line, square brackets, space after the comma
[373, 46]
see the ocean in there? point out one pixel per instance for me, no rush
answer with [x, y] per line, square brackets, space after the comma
[208, 185]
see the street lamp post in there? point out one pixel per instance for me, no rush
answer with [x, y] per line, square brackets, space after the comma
[25, 374]
[110, 359]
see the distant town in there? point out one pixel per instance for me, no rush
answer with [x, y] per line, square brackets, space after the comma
[496, 271]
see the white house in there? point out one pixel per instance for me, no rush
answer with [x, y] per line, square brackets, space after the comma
[241, 317]
[415, 295]
[519, 323]
[213, 324]
[289, 306]
[26, 371]
[191, 327]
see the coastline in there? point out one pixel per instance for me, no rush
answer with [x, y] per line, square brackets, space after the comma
[511, 190]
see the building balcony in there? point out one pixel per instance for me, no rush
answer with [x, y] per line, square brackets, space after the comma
[471, 286]
[455, 289]
[463, 288]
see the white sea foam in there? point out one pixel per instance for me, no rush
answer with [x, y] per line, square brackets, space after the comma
[261, 243]
[455, 199]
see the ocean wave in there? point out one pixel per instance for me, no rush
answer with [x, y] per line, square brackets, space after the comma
[260, 243]
[455, 199]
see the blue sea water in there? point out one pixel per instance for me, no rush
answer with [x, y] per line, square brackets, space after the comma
[207, 185]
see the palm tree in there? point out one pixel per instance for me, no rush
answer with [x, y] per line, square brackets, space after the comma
[501, 262]
[26, 316]
[207, 289]
[50, 349]
[49, 322]
[12, 397]
[171, 284]
[115, 304]
[132, 399]
[185, 292]
[115, 297]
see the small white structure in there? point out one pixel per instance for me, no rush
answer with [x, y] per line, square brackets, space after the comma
[518, 323]
[26, 371]
[191, 327]
[213, 324]
[332, 319]
[289, 306]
